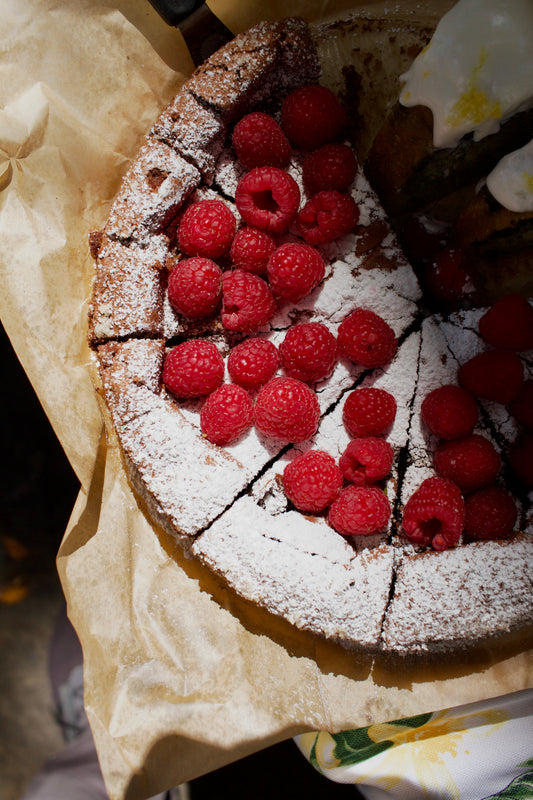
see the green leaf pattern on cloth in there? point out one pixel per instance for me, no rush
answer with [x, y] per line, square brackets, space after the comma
[354, 746]
[481, 749]
[519, 789]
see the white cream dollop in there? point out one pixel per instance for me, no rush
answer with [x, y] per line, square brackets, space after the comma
[477, 69]
[511, 180]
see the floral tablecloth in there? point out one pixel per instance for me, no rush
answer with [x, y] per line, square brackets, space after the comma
[478, 751]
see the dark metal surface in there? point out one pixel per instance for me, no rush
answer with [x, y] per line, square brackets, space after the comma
[202, 30]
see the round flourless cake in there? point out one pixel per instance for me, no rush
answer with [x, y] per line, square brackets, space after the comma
[226, 505]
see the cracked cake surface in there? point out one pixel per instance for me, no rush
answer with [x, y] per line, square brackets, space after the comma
[226, 504]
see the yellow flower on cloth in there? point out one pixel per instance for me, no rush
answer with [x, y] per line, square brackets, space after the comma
[475, 751]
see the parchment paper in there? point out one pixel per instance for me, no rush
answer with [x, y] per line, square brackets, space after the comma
[181, 676]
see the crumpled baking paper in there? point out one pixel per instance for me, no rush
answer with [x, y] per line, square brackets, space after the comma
[181, 676]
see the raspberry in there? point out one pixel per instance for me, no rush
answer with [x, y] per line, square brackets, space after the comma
[259, 141]
[195, 287]
[434, 514]
[521, 458]
[508, 323]
[490, 514]
[522, 406]
[193, 369]
[360, 511]
[450, 412]
[247, 302]
[226, 414]
[368, 411]
[366, 339]
[251, 249]
[471, 463]
[445, 277]
[312, 481]
[366, 460]
[268, 198]
[332, 166]
[495, 375]
[294, 270]
[287, 409]
[253, 362]
[312, 116]
[206, 229]
[309, 352]
[327, 216]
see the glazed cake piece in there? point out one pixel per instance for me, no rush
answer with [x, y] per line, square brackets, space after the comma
[153, 190]
[300, 569]
[128, 289]
[263, 64]
[446, 601]
[194, 131]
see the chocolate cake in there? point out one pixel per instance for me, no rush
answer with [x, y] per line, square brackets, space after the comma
[226, 505]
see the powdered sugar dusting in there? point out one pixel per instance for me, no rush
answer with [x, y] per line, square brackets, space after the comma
[458, 592]
[128, 290]
[154, 188]
[228, 503]
[301, 570]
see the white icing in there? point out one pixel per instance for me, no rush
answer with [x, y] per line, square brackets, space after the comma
[511, 180]
[476, 71]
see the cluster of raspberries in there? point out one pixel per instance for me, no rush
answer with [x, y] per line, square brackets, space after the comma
[272, 257]
[463, 497]
[244, 272]
[264, 270]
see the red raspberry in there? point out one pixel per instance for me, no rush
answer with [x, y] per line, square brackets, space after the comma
[206, 229]
[360, 511]
[287, 409]
[327, 216]
[332, 166]
[522, 406]
[226, 414]
[312, 116]
[450, 412]
[251, 249]
[366, 339]
[471, 463]
[445, 276]
[495, 375]
[366, 460]
[253, 362]
[247, 302]
[368, 411]
[308, 352]
[259, 142]
[508, 323]
[195, 287]
[521, 458]
[193, 369]
[490, 513]
[434, 514]
[312, 481]
[268, 198]
[294, 270]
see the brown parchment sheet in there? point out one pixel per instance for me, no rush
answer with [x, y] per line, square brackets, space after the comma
[181, 676]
